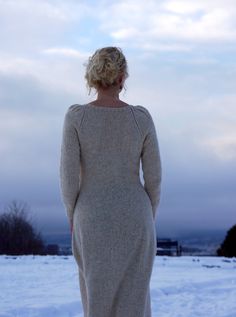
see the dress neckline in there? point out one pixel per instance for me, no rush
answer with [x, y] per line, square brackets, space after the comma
[107, 107]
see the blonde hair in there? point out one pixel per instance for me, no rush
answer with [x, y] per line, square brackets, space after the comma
[104, 67]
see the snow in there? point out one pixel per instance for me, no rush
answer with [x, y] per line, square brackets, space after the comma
[186, 286]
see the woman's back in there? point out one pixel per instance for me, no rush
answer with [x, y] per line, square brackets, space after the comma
[110, 145]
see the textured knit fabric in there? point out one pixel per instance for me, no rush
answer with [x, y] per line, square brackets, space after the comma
[113, 214]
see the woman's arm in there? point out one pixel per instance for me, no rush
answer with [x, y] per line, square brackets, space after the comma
[151, 166]
[69, 166]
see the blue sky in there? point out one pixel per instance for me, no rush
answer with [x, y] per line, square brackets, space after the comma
[181, 58]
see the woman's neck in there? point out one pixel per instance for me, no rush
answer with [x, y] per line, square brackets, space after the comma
[108, 95]
[108, 99]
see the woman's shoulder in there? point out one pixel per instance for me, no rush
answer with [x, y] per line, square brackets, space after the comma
[143, 117]
[142, 111]
[143, 114]
[74, 113]
[75, 108]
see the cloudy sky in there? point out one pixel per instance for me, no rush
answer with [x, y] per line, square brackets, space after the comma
[181, 56]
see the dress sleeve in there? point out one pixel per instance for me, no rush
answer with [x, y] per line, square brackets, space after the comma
[151, 166]
[69, 165]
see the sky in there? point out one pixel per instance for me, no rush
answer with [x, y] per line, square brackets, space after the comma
[181, 59]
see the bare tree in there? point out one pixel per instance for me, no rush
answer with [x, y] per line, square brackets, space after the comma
[17, 233]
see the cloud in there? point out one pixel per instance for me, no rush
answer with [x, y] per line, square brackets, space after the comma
[67, 52]
[220, 125]
[178, 25]
[52, 71]
[223, 146]
[28, 26]
[165, 24]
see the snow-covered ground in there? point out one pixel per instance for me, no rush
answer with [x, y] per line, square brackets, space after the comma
[187, 286]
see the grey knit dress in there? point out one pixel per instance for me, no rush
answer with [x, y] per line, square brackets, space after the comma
[113, 214]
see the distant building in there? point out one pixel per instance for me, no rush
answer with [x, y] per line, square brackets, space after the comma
[168, 247]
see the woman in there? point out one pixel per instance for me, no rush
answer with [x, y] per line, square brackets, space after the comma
[111, 214]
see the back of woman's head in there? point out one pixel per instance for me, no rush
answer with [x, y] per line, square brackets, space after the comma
[104, 67]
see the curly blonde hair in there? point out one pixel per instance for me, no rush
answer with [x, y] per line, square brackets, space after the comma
[104, 67]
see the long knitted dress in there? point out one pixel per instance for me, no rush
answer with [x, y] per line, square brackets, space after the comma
[113, 214]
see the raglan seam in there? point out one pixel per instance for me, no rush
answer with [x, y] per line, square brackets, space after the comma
[135, 119]
[83, 116]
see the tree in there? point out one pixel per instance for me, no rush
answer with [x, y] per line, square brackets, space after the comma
[17, 234]
[228, 247]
